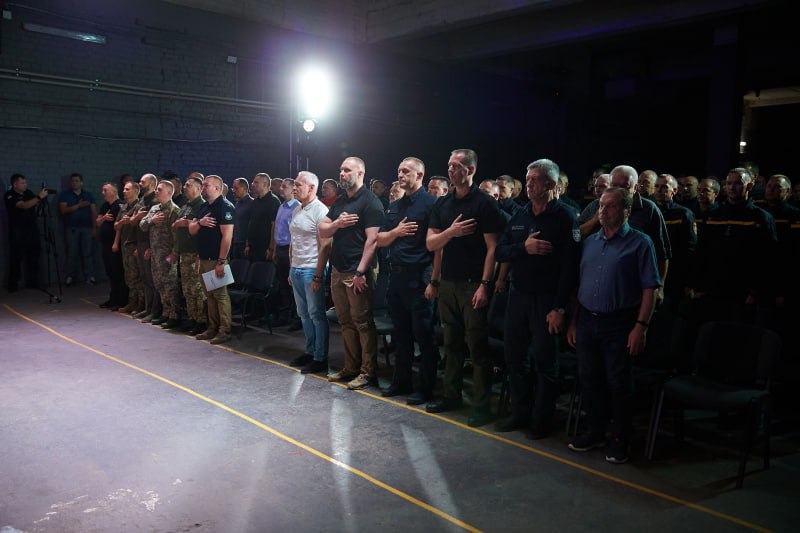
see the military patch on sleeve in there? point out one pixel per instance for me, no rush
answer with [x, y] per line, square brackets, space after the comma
[576, 235]
[228, 215]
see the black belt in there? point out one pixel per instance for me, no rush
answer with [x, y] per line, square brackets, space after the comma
[283, 246]
[612, 314]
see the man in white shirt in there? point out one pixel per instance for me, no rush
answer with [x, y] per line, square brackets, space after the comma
[308, 255]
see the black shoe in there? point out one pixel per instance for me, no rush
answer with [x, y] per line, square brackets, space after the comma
[445, 404]
[302, 360]
[295, 326]
[512, 423]
[172, 323]
[158, 321]
[314, 366]
[106, 305]
[395, 390]
[586, 442]
[617, 452]
[479, 417]
[418, 398]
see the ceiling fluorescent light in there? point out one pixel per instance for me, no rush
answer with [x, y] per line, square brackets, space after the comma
[77, 35]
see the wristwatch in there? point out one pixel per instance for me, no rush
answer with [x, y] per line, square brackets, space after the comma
[486, 282]
[435, 283]
[560, 310]
[358, 274]
[221, 261]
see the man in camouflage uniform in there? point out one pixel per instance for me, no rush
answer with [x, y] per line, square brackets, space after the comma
[185, 250]
[158, 223]
[127, 229]
[152, 301]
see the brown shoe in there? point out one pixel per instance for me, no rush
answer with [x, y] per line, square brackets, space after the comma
[220, 338]
[127, 309]
[362, 381]
[342, 375]
[206, 335]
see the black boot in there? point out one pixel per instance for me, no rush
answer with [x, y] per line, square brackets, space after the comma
[519, 390]
[543, 407]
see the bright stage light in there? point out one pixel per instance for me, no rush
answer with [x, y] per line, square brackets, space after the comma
[315, 90]
[309, 125]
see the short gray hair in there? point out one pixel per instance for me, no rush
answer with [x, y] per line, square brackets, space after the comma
[310, 178]
[551, 170]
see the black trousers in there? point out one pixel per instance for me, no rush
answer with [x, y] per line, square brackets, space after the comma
[605, 370]
[531, 354]
[412, 316]
[112, 261]
[23, 244]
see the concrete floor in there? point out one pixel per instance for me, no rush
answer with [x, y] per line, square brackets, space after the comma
[111, 425]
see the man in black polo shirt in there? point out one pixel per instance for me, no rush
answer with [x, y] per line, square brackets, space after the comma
[465, 225]
[214, 230]
[111, 247]
[23, 234]
[260, 225]
[353, 222]
[542, 245]
[410, 286]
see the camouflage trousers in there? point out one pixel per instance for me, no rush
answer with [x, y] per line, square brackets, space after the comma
[165, 279]
[133, 279]
[192, 286]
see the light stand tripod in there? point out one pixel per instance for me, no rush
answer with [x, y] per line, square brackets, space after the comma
[50, 250]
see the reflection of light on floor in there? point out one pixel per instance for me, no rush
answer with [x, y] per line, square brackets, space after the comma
[297, 383]
[431, 478]
[341, 432]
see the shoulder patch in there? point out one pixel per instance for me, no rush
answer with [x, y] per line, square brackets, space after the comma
[228, 215]
[576, 235]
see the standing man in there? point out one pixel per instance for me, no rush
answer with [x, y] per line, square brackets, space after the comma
[353, 222]
[152, 300]
[279, 253]
[111, 248]
[736, 241]
[438, 186]
[329, 192]
[127, 236]
[687, 192]
[23, 233]
[413, 280]
[682, 231]
[261, 225]
[242, 201]
[309, 254]
[616, 297]
[465, 225]
[79, 212]
[158, 223]
[644, 216]
[213, 229]
[505, 188]
[185, 253]
[177, 198]
[542, 245]
[646, 186]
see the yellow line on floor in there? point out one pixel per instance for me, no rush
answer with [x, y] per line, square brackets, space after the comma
[542, 453]
[548, 455]
[290, 440]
